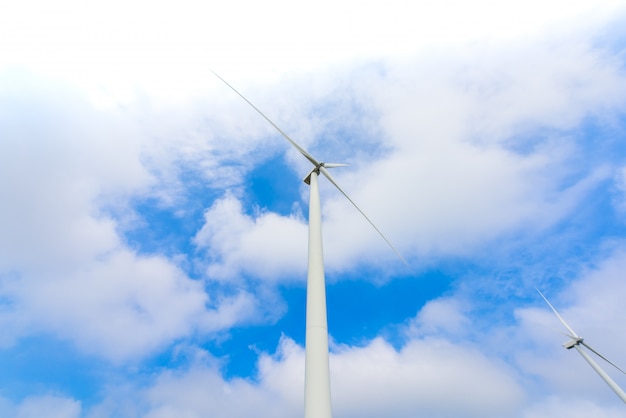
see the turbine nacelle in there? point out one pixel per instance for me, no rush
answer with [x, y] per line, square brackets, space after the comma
[316, 170]
[574, 340]
[572, 343]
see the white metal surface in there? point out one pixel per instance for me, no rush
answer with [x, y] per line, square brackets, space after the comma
[614, 386]
[317, 374]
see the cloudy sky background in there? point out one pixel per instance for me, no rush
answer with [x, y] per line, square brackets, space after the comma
[153, 226]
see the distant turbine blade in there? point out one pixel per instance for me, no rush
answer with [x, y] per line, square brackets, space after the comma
[298, 147]
[601, 356]
[330, 178]
[572, 332]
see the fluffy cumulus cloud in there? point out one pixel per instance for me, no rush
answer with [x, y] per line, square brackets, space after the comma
[451, 140]
[419, 379]
[69, 172]
[265, 245]
[367, 381]
[441, 317]
[123, 305]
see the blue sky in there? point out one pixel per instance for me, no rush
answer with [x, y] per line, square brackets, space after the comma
[153, 227]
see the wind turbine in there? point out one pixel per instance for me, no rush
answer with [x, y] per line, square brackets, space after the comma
[317, 402]
[576, 341]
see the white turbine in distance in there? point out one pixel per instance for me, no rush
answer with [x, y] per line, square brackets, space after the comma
[316, 370]
[576, 341]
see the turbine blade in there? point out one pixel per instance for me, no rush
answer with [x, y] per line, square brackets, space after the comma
[601, 356]
[333, 165]
[298, 147]
[559, 316]
[330, 178]
[568, 335]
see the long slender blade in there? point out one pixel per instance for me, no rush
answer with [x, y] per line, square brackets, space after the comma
[298, 147]
[601, 356]
[330, 178]
[333, 165]
[558, 316]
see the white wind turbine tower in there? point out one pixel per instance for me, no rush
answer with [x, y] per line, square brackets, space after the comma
[576, 341]
[316, 371]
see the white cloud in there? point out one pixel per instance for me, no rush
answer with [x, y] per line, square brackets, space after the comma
[420, 380]
[59, 158]
[445, 316]
[267, 245]
[123, 305]
[202, 392]
[454, 179]
[64, 266]
[48, 406]
[157, 42]
[571, 407]
[373, 380]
